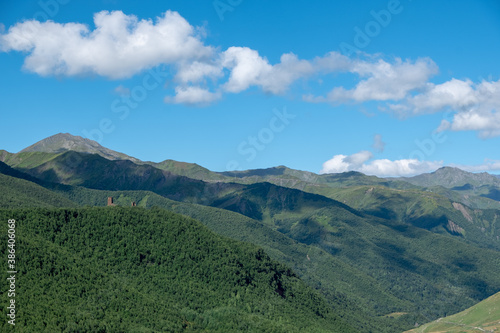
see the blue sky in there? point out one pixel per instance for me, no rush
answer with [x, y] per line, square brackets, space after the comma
[384, 87]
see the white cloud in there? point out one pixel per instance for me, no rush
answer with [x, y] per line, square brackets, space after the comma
[335, 165]
[384, 81]
[357, 159]
[197, 71]
[119, 46]
[247, 67]
[488, 165]
[282, 75]
[379, 167]
[476, 106]
[455, 94]
[343, 163]
[403, 167]
[193, 95]
[486, 122]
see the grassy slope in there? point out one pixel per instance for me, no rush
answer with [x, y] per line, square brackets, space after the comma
[131, 269]
[26, 160]
[15, 192]
[427, 210]
[482, 317]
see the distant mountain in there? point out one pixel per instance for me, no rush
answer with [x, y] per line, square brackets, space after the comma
[386, 198]
[191, 170]
[471, 188]
[342, 233]
[482, 317]
[453, 178]
[63, 142]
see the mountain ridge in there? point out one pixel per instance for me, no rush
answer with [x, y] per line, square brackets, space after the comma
[343, 219]
[451, 177]
[62, 142]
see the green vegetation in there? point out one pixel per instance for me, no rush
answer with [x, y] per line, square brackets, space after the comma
[16, 192]
[387, 254]
[346, 257]
[482, 317]
[190, 170]
[26, 160]
[131, 269]
[345, 288]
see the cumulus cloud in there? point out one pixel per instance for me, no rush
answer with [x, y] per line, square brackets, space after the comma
[485, 122]
[197, 71]
[343, 163]
[476, 106]
[403, 167]
[248, 68]
[193, 95]
[488, 165]
[382, 81]
[119, 46]
[456, 94]
[379, 167]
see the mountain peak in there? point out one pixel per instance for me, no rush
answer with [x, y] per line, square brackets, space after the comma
[452, 177]
[62, 142]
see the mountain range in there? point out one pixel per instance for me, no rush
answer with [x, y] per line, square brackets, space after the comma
[383, 253]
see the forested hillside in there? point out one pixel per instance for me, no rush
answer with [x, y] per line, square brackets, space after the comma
[131, 269]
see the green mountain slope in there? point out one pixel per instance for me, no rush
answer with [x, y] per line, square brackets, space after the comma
[18, 190]
[116, 269]
[21, 193]
[190, 170]
[26, 160]
[356, 254]
[466, 184]
[427, 210]
[437, 209]
[393, 252]
[482, 317]
[259, 200]
[94, 171]
[344, 287]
